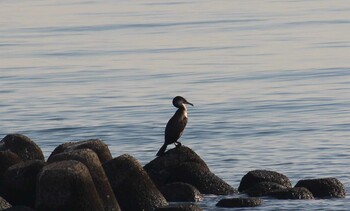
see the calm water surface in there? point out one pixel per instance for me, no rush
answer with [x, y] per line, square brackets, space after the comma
[270, 81]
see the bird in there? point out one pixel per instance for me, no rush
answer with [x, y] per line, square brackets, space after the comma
[176, 125]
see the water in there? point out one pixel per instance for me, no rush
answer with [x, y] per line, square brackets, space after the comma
[270, 81]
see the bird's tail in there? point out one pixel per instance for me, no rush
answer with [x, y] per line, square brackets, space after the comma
[162, 150]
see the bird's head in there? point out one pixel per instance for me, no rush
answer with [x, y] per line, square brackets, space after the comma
[179, 102]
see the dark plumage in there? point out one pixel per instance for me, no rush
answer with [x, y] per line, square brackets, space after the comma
[176, 125]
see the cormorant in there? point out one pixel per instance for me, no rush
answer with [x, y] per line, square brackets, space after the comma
[176, 125]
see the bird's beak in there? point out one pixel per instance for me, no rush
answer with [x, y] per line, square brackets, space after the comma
[189, 103]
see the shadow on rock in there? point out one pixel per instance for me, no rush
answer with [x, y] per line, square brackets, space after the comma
[7, 159]
[181, 192]
[19, 182]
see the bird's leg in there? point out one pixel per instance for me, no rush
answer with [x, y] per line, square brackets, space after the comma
[178, 144]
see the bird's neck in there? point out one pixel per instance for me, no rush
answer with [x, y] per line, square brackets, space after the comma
[183, 109]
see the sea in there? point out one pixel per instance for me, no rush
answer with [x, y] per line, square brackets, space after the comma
[269, 80]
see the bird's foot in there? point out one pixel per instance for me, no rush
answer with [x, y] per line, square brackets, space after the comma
[178, 144]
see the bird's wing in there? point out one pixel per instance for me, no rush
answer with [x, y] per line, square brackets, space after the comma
[175, 128]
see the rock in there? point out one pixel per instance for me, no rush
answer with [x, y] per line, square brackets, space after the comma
[324, 187]
[181, 192]
[180, 207]
[66, 185]
[90, 159]
[182, 164]
[257, 176]
[292, 193]
[205, 181]
[4, 204]
[131, 184]
[61, 148]
[239, 202]
[7, 159]
[159, 168]
[96, 145]
[21, 145]
[263, 189]
[19, 208]
[19, 182]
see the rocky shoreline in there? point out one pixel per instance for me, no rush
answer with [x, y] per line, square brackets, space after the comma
[84, 176]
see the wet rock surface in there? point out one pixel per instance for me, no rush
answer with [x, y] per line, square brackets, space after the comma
[256, 176]
[4, 204]
[292, 193]
[19, 208]
[90, 159]
[324, 187]
[131, 184]
[67, 185]
[181, 192]
[96, 145]
[23, 146]
[19, 182]
[263, 189]
[182, 164]
[180, 207]
[239, 202]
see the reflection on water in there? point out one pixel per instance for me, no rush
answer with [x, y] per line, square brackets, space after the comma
[269, 80]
